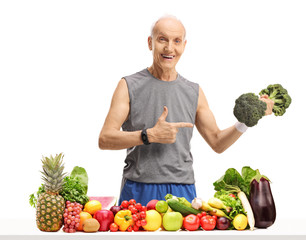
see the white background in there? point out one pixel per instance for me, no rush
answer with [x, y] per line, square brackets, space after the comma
[60, 62]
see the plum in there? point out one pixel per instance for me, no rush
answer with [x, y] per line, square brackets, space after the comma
[223, 223]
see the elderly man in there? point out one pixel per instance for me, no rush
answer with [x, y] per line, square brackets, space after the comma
[157, 109]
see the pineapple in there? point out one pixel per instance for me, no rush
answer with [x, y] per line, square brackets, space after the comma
[50, 205]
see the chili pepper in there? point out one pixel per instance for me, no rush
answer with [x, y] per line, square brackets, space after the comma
[124, 219]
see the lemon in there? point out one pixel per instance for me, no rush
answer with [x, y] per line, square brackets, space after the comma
[92, 207]
[161, 206]
[154, 220]
[240, 222]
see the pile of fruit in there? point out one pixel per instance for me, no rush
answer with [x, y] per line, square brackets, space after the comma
[62, 203]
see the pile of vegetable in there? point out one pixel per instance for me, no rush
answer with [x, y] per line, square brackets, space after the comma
[249, 109]
[74, 188]
[254, 192]
[241, 201]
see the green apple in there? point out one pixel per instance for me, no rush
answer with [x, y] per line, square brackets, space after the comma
[172, 221]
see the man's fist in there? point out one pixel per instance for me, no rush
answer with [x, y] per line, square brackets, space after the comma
[269, 102]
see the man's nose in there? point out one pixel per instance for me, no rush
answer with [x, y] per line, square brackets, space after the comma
[169, 46]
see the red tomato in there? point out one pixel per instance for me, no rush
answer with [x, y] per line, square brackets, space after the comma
[191, 222]
[113, 227]
[232, 195]
[134, 210]
[208, 223]
[138, 206]
[204, 214]
[132, 202]
[135, 228]
[125, 204]
[143, 214]
[130, 229]
[143, 222]
[130, 207]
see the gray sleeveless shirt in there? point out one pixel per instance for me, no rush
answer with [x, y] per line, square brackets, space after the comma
[160, 163]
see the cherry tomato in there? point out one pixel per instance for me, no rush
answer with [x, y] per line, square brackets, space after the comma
[143, 214]
[232, 195]
[113, 227]
[215, 217]
[199, 215]
[138, 223]
[191, 222]
[208, 223]
[138, 206]
[144, 208]
[132, 202]
[203, 214]
[135, 217]
[134, 210]
[130, 229]
[135, 228]
[125, 204]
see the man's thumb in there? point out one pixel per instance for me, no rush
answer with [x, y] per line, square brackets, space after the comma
[164, 115]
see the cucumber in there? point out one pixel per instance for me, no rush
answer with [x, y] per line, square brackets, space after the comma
[176, 206]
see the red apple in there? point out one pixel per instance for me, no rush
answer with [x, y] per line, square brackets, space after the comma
[105, 218]
[152, 204]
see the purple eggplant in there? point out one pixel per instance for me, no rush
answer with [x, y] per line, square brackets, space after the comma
[262, 201]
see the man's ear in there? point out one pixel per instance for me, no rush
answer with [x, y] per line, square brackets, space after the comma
[150, 43]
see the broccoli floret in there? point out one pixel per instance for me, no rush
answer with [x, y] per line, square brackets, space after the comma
[280, 96]
[249, 109]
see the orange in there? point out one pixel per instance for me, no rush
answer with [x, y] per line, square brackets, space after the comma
[92, 207]
[83, 217]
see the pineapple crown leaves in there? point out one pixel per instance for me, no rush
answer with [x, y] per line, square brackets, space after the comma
[52, 174]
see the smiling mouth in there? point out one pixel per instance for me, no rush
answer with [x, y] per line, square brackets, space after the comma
[167, 56]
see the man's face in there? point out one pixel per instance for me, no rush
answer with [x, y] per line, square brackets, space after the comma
[167, 43]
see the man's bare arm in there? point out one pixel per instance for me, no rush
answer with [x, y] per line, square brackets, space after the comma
[111, 137]
[218, 140]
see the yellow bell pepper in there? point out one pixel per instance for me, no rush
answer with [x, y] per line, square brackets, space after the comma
[123, 219]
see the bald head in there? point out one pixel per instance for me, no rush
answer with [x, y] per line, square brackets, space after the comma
[170, 22]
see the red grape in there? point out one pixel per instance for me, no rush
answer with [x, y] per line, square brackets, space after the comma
[72, 217]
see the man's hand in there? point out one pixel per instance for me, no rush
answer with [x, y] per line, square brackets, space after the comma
[165, 132]
[269, 102]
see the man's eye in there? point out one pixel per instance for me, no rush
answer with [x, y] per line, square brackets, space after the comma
[162, 39]
[177, 41]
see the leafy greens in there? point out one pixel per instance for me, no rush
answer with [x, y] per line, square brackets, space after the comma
[74, 188]
[232, 181]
